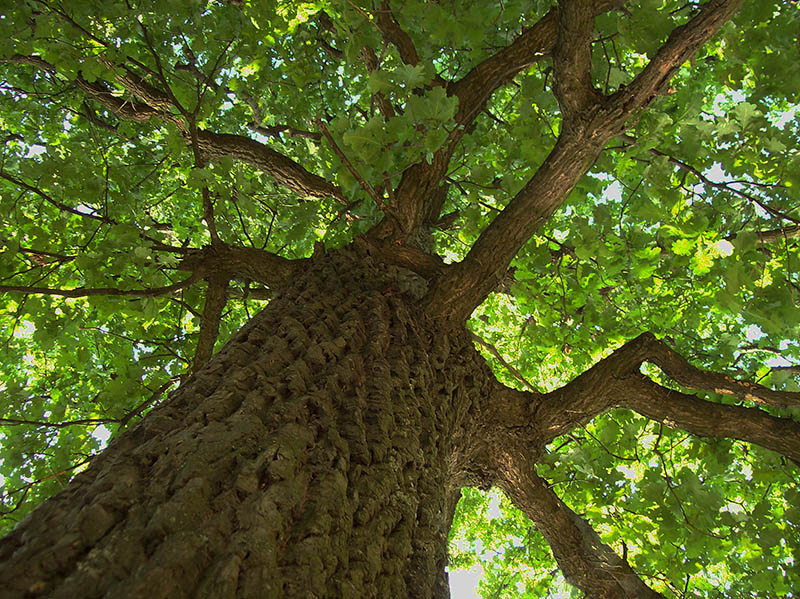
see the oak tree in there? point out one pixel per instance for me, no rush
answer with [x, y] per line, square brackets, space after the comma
[323, 268]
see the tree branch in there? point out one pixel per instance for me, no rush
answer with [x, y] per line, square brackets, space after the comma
[585, 561]
[572, 59]
[281, 168]
[681, 45]
[392, 32]
[467, 283]
[157, 104]
[708, 419]
[87, 292]
[216, 298]
[241, 263]
[476, 87]
[364, 185]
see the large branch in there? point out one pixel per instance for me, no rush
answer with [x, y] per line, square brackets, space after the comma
[155, 103]
[681, 45]
[476, 87]
[572, 59]
[708, 419]
[615, 381]
[242, 263]
[419, 191]
[585, 561]
[394, 34]
[281, 168]
[467, 283]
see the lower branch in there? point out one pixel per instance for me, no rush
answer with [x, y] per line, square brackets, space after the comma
[212, 314]
[585, 561]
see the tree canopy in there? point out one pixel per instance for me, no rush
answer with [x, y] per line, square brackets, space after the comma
[163, 165]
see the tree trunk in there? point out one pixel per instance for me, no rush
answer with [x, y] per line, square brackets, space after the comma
[319, 454]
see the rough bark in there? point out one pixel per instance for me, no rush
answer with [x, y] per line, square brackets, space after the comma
[319, 454]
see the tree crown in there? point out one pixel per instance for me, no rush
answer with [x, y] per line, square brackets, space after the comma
[164, 171]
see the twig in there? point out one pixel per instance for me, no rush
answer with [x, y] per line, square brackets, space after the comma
[514, 372]
[366, 186]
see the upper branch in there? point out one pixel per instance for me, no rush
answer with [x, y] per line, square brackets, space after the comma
[598, 119]
[681, 45]
[585, 561]
[155, 103]
[476, 87]
[572, 58]
[392, 32]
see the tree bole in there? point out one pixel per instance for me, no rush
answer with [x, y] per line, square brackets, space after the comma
[319, 454]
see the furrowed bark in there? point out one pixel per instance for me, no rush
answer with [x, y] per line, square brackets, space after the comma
[585, 561]
[319, 454]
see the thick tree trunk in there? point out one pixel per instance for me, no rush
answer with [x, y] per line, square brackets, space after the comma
[319, 454]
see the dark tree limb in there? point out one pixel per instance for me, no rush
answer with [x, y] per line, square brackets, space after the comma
[467, 283]
[476, 87]
[392, 32]
[242, 263]
[154, 103]
[216, 298]
[687, 375]
[572, 58]
[681, 46]
[615, 381]
[708, 419]
[585, 561]
[283, 169]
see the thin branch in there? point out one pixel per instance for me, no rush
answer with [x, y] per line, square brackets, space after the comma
[88, 292]
[43, 423]
[52, 201]
[365, 186]
[514, 372]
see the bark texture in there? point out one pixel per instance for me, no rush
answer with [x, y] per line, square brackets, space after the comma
[319, 454]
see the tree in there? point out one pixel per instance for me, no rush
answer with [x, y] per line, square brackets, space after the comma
[599, 196]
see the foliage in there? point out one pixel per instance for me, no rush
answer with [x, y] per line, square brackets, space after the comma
[686, 227]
